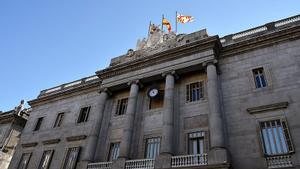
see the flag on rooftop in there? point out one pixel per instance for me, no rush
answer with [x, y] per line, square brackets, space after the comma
[167, 24]
[184, 19]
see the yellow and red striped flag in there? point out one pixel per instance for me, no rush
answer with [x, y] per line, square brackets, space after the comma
[167, 24]
[184, 19]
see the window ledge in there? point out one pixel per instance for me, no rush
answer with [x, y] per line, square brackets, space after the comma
[203, 100]
[154, 110]
[263, 108]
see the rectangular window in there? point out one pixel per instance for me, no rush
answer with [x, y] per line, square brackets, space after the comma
[158, 101]
[194, 91]
[24, 161]
[114, 151]
[259, 78]
[59, 119]
[121, 106]
[196, 142]
[46, 159]
[84, 114]
[71, 158]
[152, 147]
[276, 137]
[38, 124]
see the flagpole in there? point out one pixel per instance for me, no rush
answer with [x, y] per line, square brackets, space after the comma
[149, 28]
[176, 23]
[162, 24]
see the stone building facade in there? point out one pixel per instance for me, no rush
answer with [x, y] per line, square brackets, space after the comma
[11, 125]
[187, 101]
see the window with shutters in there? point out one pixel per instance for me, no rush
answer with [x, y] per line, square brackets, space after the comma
[24, 161]
[276, 138]
[71, 158]
[114, 151]
[152, 147]
[38, 124]
[59, 119]
[46, 159]
[259, 78]
[84, 114]
[121, 106]
[196, 143]
[194, 91]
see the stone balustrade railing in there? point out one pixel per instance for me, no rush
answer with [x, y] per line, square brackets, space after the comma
[189, 160]
[261, 29]
[100, 165]
[140, 164]
[69, 85]
[282, 161]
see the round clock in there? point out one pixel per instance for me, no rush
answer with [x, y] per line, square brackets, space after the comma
[153, 92]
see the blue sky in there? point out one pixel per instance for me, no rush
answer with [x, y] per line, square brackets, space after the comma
[50, 42]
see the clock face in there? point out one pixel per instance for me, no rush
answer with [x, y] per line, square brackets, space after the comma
[153, 92]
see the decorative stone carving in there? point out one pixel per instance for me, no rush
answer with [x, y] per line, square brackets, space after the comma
[130, 53]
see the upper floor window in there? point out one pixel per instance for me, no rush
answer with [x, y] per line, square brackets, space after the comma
[276, 137]
[71, 158]
[84, 114]
[194, 91]
[38, 124]
[46, 159]
[114, 151]
[121, 106]
[59, 119]
[152, 147]
[196, 142]
[24, 161]
[157, 102]
[259, 78]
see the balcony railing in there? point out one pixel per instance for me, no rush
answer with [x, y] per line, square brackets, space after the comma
[189, 160]
[279, 161]
[140, 164]
[101, 165]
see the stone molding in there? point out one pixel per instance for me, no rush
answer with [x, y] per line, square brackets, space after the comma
[172, 72]
[33, 144]
[76, 138]
[105, 90]
[206, 63]
[261, 41]
[165, 56]
[52, 141]
[268, 107]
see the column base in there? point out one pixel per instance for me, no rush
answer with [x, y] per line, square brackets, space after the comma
[118, 163]
[218, 156]
[163, 161]
[82, 164]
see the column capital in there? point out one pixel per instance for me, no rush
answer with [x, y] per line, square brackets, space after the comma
[172, 72]
[206, 63]
[105, 90]
[138, 82]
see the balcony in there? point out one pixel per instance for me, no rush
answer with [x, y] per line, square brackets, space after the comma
[100, 165]
[189, 160]
[140, 164]
[176, 162]
[282, 161]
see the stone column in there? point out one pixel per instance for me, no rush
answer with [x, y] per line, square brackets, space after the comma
[167, 130]
[217, 153]
[90, 149]
[164, 159]
[129, 120]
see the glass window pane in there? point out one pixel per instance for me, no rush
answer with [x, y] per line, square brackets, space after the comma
[283, 142]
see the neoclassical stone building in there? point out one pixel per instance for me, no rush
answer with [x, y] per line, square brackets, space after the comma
[11, 125]
[178, 101]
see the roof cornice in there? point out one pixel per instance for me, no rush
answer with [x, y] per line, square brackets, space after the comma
[261, 41]
[212, 42]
